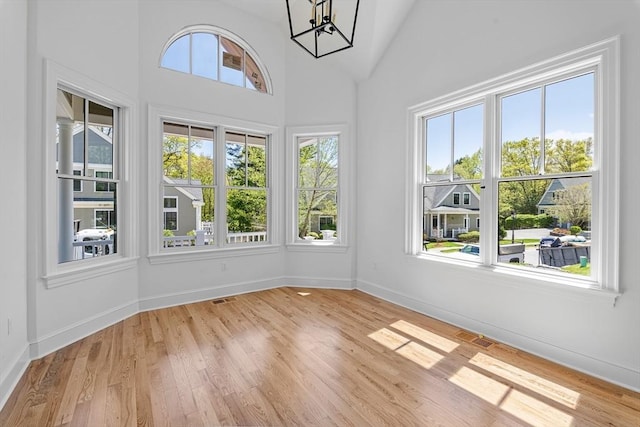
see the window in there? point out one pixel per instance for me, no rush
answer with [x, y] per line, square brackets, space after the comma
[170, 213]
[317, 186]
[86, 137]
[193, 166]
[104, 218]
[77, 183]
[101, 186]
[530, 149]
[189, 184]
[215, 54]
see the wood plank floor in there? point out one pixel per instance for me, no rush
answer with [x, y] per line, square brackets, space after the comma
[276, 358]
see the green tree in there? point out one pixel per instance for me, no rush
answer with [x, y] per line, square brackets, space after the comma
[246, 181]
[573, 205]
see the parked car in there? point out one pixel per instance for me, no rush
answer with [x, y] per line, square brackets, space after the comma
[94, 234]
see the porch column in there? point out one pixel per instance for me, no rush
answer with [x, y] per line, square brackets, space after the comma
[444, 234]
[65, 190]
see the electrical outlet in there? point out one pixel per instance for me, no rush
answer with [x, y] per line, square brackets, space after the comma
[223, 267]
[9, 326]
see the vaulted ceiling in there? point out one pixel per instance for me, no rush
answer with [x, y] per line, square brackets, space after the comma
[378, 23]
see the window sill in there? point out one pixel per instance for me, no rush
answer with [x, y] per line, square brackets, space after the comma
[540, 282]
[317, 246]
[182, 255]
[87, 271]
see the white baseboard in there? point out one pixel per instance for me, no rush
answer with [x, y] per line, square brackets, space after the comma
[319, 282]
[178, 298]
[620, 375]
[72, 333]
[14, 373]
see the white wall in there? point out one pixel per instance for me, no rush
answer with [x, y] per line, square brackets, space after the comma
[446, 46]
[99, 40]
[318, 94]
[13, 254]
[165, 284]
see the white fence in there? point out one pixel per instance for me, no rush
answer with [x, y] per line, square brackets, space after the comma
[204, 238]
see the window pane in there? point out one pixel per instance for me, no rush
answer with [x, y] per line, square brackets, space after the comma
[467, 142]
[175, 151]
[232, 57]
[100, 143]
[236, 160]
[85, 136]
[93, 225]
[176, 57]
[254, 78]
[569, 123]
[257, 161]
[312, 206]
[204, 55]
[188, 218]
[439, 148]
[202, 156]
[520, 133]
[556, 232]
[318, 162]
[450, 228]
[246, 215]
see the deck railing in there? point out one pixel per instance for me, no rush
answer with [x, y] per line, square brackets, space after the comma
[203, 238]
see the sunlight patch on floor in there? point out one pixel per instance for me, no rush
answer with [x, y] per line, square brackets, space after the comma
[423, 335]
[388, 338]
[482, 386]
[533, 411]
[526, 379]
[420, 354]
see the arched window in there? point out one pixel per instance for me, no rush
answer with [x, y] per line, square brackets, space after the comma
[215, 54]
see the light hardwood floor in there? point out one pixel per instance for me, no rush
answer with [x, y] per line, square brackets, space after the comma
[332, 357]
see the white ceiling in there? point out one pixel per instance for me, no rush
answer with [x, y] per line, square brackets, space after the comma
[378, 22]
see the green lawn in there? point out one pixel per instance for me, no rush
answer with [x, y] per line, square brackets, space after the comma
[445, 244]
[527, 242]
[576, 269]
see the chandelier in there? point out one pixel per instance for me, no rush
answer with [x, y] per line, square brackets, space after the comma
[322, 27]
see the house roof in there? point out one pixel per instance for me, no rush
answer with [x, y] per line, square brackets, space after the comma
[186, 188]
[100, 147]
[434, 197]
[560, 184]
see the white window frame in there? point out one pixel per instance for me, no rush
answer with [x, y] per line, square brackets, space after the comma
[466, 198]
[341, 243]
[456, 193]
[603, 57]
[95, 183]
[157, 254]
[221, 32]
[54, 274]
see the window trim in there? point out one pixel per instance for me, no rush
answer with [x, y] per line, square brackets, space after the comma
[603, 55]
[159, 114]
[344, 179]
[456, 193]
[218, 31]
[52, 273]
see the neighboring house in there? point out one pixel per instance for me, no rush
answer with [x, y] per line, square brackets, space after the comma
[450, 210]
[93, 202]
[182, 207]
[548, 199]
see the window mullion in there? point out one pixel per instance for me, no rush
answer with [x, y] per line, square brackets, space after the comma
[541, 166]
[489, 184]
[220, 203]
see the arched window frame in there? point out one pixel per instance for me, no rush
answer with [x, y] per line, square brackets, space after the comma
[217, 31]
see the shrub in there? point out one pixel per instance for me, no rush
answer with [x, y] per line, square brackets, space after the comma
[502, 233]
[470, 237]
[167, 233]
[575, 230]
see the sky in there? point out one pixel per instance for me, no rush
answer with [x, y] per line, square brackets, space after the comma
[568, 110]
